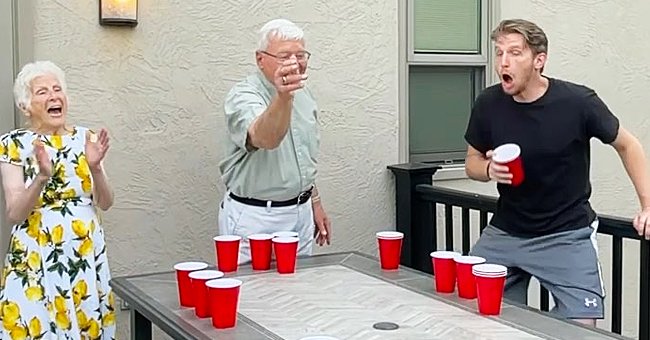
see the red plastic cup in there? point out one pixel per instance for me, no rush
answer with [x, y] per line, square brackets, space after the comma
[227, 252]
[490, 281]
[200, 291]
[286, 251]
[261, 250]
[285, 234]
[390, 249]
[183, 270]
[465, 280]
[224, 300]
[510, 156]
[444, 270]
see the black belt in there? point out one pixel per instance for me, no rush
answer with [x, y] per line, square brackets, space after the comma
[300, 199]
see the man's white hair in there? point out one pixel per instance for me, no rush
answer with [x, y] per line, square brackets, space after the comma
[22, 85]
[279, 28]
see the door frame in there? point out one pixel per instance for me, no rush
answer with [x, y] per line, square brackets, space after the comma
[23, 41]
[20, 42]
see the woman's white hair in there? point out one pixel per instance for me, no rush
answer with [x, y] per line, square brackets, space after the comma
[279, 28]
[22, 85]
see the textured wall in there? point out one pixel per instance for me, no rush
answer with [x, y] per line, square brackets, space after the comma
[159, 89]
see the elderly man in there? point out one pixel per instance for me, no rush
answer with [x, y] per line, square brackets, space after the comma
[269, 167]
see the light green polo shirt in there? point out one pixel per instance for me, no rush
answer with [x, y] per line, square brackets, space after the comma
[278, 174]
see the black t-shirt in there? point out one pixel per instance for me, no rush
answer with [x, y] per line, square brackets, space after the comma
[554, 134]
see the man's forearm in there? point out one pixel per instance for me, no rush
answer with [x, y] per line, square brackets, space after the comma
[634, 162]
[476, 168]
[268, 130]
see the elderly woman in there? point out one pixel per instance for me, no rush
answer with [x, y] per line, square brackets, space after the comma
[55, 279]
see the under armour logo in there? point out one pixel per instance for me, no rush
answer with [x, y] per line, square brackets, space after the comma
[590, 303]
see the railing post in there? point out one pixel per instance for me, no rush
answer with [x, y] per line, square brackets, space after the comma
[644, 296]
[413, 216]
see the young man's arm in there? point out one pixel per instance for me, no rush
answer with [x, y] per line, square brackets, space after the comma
[633, 157]
[602, 124]
[477, 165]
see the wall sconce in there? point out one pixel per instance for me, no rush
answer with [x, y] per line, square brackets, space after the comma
[118, 12]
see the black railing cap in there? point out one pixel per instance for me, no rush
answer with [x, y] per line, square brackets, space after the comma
[415, 168]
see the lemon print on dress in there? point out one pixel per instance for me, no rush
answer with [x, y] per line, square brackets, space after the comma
[81, 230]
[18, 332]
[34, 224]
[10, 315]
[34, 293]
[62, 319]
[35, 327]
[13, 152]
[57, 234]
[82, 170]
[17, 246]
[79, 292]
[57, 142]
[34, 261]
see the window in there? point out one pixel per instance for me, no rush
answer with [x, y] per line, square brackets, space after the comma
[445, 66]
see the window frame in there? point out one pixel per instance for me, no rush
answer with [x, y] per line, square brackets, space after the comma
[448, 57]
[408, 57]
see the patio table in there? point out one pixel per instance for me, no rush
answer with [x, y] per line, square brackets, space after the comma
[344, 295]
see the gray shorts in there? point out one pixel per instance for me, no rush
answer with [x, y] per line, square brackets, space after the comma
[565, 263]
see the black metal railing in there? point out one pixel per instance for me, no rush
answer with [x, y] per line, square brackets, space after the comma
[418, 203]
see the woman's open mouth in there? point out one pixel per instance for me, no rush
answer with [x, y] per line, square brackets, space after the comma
[55, 111]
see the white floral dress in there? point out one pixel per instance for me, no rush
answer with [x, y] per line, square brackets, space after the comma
[54, 283]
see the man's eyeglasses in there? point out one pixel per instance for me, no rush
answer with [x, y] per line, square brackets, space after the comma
[300, 56]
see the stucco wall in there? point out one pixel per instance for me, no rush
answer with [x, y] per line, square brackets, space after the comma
[159, 90]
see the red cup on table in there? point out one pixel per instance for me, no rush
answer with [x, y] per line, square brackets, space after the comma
[390, 249]
[227, 247]
[510, 156]
[286, 251]
[224, 301]
[465, 280]
[200, 291]
[183, 270]
[444, 270]
[261, 249]
[490, 282]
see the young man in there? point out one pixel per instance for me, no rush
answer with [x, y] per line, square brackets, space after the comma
[545, 227]
[270, 164]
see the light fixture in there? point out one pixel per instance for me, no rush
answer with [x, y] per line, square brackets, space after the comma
[118, 12]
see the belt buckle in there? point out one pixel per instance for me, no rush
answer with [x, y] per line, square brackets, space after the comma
[302, 195]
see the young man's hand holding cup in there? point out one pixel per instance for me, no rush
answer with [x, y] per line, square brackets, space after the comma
[497, 172]
[505, 164]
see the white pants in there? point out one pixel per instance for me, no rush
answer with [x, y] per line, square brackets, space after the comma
[236, 218]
